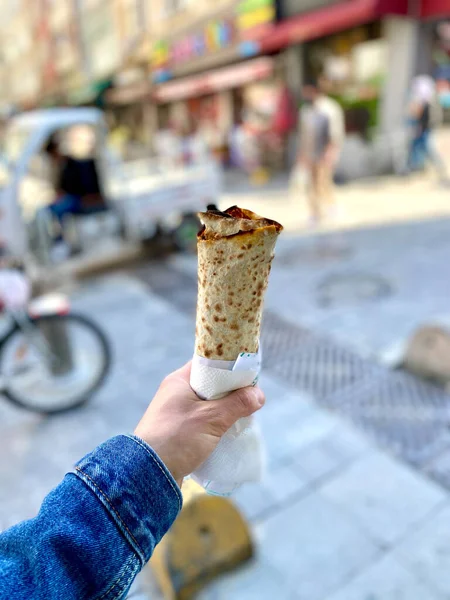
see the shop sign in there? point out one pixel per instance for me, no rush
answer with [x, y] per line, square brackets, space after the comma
[253, 15]
[161, 75]
[215, 36]
[246, 24]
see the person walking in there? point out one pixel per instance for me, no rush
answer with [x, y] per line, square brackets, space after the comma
[321, 134]
[423, 115]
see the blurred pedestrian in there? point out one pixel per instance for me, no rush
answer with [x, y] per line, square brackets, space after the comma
[244, 149]
[283, 126]
[197, 149]
[424, 113]
[321, 134]
[168, 146]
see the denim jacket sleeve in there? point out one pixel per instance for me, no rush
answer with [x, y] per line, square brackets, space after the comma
[95, 530]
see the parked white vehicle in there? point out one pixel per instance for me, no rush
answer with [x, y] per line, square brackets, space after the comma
[142, 196]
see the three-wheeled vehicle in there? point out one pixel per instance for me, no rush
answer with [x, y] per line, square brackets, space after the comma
[138, 201]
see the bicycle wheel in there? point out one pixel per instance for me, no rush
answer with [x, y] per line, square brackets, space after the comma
[54, 364]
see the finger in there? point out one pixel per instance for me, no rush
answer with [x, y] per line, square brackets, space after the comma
[238, 404]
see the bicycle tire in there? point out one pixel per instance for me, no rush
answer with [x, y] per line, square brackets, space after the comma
[80, 398]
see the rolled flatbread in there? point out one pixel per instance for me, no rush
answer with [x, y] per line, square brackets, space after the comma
[235, 252]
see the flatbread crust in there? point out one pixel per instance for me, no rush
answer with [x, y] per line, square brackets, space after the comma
[235, 252]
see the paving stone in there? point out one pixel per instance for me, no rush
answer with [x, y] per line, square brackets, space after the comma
[253, 500]
[426, 551]
[324, 458]
[291, 424]
[12, 415]
[315, 546]
[385, 580]
[25, 493]
[439, 468]
[386, 498]
[308, 431]
[291, 408]
[257, 580]
[279, 485]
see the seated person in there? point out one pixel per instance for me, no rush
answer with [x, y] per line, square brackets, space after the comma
[76, 183]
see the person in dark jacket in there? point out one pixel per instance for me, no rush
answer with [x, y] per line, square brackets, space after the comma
[76, 183]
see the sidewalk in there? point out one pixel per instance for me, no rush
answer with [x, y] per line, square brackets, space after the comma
[362, 203]
[335, 519]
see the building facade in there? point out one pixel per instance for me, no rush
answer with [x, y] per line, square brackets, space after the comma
[204, 62]
[128, 99]
[213, 66]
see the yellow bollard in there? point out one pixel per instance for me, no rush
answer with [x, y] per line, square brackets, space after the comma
[208, 538]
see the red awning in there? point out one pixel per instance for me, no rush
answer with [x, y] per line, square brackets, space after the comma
[434, 9]
[328, 20]
[219, 79]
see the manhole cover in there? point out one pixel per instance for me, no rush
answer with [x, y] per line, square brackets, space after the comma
[348, 288]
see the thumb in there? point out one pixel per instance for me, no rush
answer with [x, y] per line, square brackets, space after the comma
[238, 404]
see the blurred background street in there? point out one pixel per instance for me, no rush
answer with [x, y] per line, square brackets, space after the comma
[119, 120]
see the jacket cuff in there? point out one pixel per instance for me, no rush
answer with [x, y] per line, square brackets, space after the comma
[136, 489]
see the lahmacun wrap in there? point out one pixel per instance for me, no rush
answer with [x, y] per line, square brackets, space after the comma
[235, 252]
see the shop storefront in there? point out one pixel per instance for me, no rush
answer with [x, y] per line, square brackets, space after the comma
[127, 102]
[193, 88]
[213, 42]
[352, 67]
[365, 53]
[345, 44]
[213, 103]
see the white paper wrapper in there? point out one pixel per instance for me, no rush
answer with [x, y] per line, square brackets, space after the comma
[238, 458]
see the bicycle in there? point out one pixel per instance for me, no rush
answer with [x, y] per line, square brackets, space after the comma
[51, 359]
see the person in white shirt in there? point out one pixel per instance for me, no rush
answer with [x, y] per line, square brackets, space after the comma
[322, 132]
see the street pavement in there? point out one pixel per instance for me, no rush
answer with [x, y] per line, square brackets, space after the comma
[337, 517]
[332, 518]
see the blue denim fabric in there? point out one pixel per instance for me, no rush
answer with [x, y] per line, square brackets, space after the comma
[64, 205]
[419, 151]
[94, 531]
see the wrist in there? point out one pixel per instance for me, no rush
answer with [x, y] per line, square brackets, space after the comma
[159, 447]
